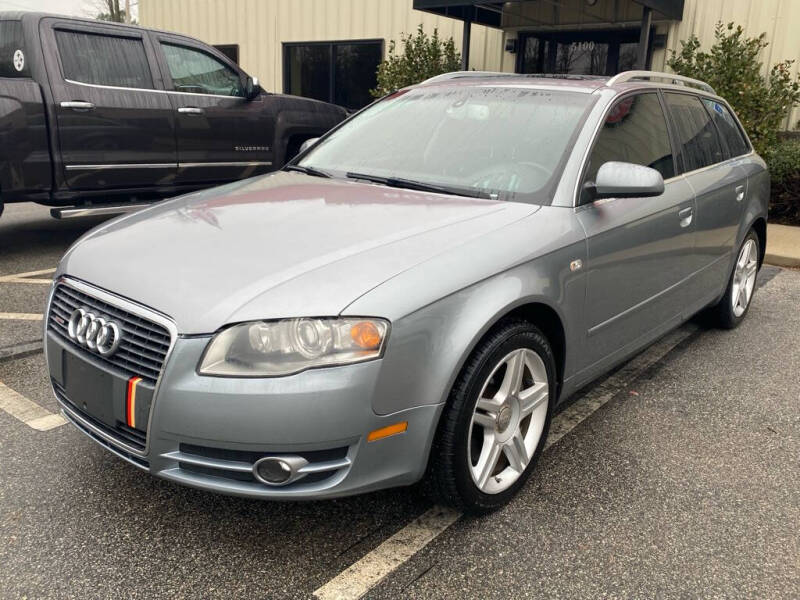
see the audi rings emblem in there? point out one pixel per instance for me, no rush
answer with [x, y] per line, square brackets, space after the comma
[98, 334]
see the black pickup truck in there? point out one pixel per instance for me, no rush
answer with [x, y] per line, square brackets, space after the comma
[102, 115]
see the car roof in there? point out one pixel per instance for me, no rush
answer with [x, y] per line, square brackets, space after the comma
[586, 84]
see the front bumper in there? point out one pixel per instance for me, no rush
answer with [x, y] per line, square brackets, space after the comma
[207, 432]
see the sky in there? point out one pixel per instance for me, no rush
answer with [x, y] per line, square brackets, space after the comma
[80, 8]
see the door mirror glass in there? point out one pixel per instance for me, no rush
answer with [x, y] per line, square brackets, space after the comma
[627, 180]
[307, 144]
[251, 88]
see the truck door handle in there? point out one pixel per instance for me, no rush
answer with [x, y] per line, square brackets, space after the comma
[190, 110]
[685, 215]
[739, 193]
[75, 105]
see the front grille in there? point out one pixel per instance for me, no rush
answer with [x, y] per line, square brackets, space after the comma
[121, 434]
[144, 344]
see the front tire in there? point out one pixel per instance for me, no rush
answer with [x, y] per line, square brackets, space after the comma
[732, 309]
[496, 420]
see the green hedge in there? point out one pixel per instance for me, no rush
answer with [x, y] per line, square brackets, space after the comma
[783, 160]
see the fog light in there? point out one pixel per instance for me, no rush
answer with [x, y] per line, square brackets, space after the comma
[272, 471]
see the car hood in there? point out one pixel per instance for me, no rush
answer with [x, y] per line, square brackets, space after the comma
[283, 245]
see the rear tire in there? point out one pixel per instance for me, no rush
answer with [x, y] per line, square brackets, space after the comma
[496, 420]
[732, 309]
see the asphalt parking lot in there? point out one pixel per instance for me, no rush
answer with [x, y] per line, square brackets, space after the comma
[677, 476]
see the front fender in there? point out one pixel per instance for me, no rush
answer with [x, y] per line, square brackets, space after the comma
[428, 346]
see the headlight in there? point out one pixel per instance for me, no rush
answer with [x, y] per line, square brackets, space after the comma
[271, 348]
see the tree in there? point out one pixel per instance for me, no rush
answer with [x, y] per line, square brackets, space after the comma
[732, 67]
[422, 57]
[109, 10]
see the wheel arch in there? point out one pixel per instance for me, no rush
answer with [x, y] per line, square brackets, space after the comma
[538, 313]
[760, 227]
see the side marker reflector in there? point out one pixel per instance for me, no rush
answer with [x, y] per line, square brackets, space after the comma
[384, 432]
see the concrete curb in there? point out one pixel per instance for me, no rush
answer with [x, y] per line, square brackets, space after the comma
[782, 261]
[783, 246]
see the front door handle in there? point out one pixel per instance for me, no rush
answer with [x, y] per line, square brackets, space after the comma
[190, 110]
[739, 193]
[76, 105]
[685, 215]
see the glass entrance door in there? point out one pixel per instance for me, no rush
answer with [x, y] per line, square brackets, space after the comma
[579, 52]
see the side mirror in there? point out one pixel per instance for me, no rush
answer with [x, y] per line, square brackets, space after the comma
[627, 180]
[251, 88]
[307, 144]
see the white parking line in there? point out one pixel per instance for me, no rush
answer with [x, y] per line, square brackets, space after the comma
[361, 576]
[370, 570]
[28, 412]
[20, 316]
[28, 277]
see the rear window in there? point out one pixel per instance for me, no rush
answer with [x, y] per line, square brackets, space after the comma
[697, 136]
[732, 137]
[13, 60]
[104, 59]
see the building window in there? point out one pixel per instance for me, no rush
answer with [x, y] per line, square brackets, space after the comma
[580, 52]
[338, 72]
[229, 50]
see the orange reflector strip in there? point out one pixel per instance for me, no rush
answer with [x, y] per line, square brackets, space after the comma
[383, 432]
[130, 404]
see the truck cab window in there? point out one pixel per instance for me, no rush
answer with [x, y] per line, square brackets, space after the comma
[13, 61]
[195, 72]
[104, 59]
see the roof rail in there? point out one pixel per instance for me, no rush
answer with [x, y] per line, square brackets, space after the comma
[465, 74]
[670, 77]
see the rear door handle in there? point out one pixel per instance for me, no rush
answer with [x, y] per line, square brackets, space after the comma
[76, 105]
[739, 193]
[190, 110]
[685, 215]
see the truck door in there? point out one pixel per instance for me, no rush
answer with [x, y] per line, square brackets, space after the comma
[222, 136]
[115, 122]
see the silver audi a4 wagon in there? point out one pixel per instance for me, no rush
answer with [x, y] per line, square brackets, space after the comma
[414, 295]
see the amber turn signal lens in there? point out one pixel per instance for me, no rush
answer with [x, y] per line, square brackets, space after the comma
[366, 335]
[383, 432]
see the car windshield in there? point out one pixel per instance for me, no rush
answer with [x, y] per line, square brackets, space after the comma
[504, 142]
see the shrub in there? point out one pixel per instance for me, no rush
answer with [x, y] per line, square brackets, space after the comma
[732, 67]
[783, 160]
[423, 56]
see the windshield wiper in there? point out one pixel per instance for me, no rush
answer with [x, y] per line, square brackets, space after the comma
[421, 186]
[307, 170]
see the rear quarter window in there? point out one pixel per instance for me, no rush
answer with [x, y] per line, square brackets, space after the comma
[13, 58]
[732, 137]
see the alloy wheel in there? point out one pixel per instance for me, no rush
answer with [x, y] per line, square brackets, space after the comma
[744, 277]
[508, 421]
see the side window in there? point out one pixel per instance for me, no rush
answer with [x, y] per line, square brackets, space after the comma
[697, 135]
[104, 59]
[635, 131]
[728, 129]
[196, 72]
[13, 61]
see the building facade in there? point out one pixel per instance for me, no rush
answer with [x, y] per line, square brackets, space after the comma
[329, 49]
